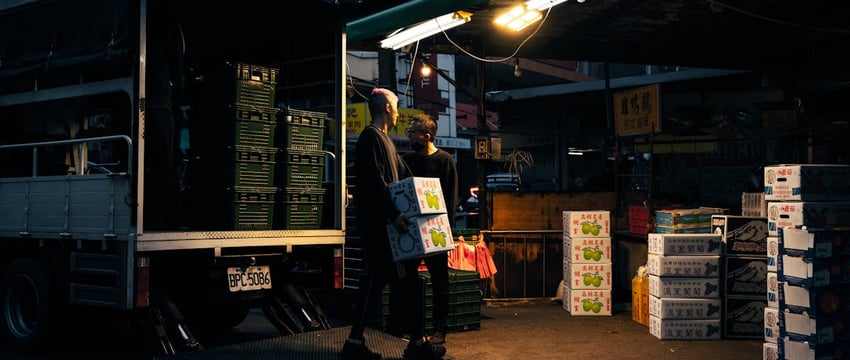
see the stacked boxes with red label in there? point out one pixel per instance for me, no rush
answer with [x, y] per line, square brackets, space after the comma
[684, 286]
[743, 274]
[428, 229]
[587, 262]
[807, 285]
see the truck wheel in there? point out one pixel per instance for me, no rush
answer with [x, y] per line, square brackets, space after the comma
[25, 301]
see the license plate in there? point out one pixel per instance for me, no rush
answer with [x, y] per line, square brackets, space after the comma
[249, 278]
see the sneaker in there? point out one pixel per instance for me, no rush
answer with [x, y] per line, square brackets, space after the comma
[438, 338]
[424, 350]
[354, 351]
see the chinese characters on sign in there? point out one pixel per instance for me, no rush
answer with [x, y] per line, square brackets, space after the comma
[637, 111]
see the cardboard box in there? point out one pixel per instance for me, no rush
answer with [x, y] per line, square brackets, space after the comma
[684, 308]
[772, 253]
[745, 276]
[698, 216]
[815, 242]
[771, 324]
[676, 329]
[595, 223]
[585, 250]
[683, 266]
[773, 289]
[640, 299]
[702, 228]
[782, 214]
[743, 317]
[741, 235]
[588, 276]
[426, 235]
[770, 351]
[820, 330]
[416, 196]
[794, 349]
[804, 182]
[818, 272]
[587, 302]
[663, 287]
[813, 301]
[683, 244]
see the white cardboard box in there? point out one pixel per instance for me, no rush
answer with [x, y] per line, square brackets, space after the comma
[683, 266]
[584, 250]
[683, 244]
[426, 234]
[588, 276]
[781, 214]
[684, 308]
[772, 253]
[684, 329]
[594, 223]
[416, 196]
[706, 288]
[812, 182]
[771, 324]
[587, 302]
[773, 289]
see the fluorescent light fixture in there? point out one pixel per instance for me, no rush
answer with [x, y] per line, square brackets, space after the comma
[425, 29]
[575, 153]
[518, 18]
[543, 4]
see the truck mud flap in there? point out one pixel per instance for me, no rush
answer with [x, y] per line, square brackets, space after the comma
[167, 324]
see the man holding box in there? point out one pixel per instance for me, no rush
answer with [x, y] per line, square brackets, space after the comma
[376, 165]
[429, 161]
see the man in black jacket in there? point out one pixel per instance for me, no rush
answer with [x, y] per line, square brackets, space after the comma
[429, 161]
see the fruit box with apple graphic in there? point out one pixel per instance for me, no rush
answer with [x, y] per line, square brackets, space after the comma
[703, 288]
[683, 244]
[426, 235]
[587, 302]
[588, 276]
[587, 250]
[595, 223]
[683, 266]
[416, 196]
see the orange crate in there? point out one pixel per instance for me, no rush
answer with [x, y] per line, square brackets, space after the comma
[638, 219]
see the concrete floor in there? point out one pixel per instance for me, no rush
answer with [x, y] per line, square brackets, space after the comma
[542, 330]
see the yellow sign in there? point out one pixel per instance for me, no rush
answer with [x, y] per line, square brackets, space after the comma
[357, 117]
[637, 111]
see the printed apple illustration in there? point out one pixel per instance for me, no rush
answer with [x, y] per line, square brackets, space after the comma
[587, 279]
[588, 253]
[595, 230]
[586, 305]
[596, 307]
[597, 281]
[585, 227]
[432, 200]
[597, 255]
[438, 237]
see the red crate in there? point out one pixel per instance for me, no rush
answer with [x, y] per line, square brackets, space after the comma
[638, 219]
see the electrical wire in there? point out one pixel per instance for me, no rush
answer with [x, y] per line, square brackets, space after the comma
[774, 20]
[511, 56]
[412, 62]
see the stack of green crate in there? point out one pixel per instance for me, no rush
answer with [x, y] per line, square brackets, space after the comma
[464, 302]
[300, 169]
[250, 150]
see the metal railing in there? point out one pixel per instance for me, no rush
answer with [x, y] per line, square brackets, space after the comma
[529, 263]
[81, 149]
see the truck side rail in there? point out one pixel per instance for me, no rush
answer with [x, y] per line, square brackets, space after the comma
[81, 143]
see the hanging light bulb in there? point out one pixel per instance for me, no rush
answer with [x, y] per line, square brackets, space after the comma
[425, 70]
[517, 70]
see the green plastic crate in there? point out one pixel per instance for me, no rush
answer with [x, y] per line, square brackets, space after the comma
[301, 208]
[302, 129]
[302, 169]
[253, 165]
[254, 126]
[252, 207]
[254, 85]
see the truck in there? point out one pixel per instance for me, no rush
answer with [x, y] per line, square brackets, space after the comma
[176, 161]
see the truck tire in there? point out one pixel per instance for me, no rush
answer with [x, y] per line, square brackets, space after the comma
[27, 304]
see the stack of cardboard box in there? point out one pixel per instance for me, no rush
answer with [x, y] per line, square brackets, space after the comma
[588, 269]
[684, 274]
